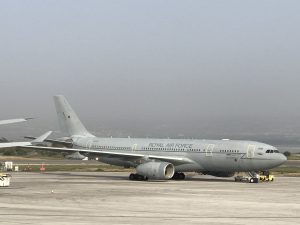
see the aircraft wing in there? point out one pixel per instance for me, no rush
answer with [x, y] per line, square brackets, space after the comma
[19, 144]
[14, 144]
[2, 122]
[124, 155]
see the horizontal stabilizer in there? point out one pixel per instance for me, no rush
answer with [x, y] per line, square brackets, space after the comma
[66, 143]
[19, 144]
[41, 138]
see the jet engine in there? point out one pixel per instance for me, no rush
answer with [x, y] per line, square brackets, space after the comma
[219, 174]
[156, 170]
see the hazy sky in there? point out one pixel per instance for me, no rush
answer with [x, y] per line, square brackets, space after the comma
[142, 63]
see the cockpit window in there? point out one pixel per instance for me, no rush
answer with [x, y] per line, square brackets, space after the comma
[272, 151]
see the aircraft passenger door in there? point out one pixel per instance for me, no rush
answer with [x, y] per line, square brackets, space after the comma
[250, 151]
[209, 150]
[134, 147]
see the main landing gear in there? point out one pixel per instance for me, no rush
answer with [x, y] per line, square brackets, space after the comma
[178, 176]
[135, 176]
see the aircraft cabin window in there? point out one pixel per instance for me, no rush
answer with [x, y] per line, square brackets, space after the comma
[268, 151]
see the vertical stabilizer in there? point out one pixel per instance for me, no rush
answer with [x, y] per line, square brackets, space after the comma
[67, 118]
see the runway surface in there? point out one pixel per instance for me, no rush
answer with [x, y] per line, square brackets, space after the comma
[110, 198]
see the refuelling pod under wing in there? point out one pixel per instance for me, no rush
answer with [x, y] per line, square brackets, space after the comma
[76, 156]
[156, 170]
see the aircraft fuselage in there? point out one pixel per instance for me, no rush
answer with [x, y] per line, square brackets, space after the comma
[204, 155]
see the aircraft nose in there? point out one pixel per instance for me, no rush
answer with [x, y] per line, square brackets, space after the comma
[282, 159]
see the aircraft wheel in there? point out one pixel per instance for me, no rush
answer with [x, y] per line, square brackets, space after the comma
[139, 177]
[175, 176]
[178, 176]
[251, 180]
[181, 176]
[132, 176]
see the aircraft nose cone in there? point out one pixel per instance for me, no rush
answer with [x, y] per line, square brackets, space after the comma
[282, 158]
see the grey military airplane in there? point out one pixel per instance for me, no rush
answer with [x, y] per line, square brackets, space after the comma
[167, 158]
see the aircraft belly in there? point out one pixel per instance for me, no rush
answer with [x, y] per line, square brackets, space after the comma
[193, 167]
[218, 162]
[255, 164]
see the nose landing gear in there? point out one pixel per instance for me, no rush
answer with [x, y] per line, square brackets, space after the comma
[252, 178]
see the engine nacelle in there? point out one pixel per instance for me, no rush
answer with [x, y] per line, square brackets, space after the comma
[219, 174]
[156, 170]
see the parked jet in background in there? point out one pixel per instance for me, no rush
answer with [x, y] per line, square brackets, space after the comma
[15, 144]
[167, 158]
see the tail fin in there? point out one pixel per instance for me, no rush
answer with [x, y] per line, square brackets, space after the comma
[67, 118]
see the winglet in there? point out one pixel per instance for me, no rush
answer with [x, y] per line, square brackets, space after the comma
[41, 138]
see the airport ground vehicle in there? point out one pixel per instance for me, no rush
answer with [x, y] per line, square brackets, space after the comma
[266, 176]
[4, 180]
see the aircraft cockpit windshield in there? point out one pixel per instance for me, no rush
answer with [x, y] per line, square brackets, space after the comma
[272, 151]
